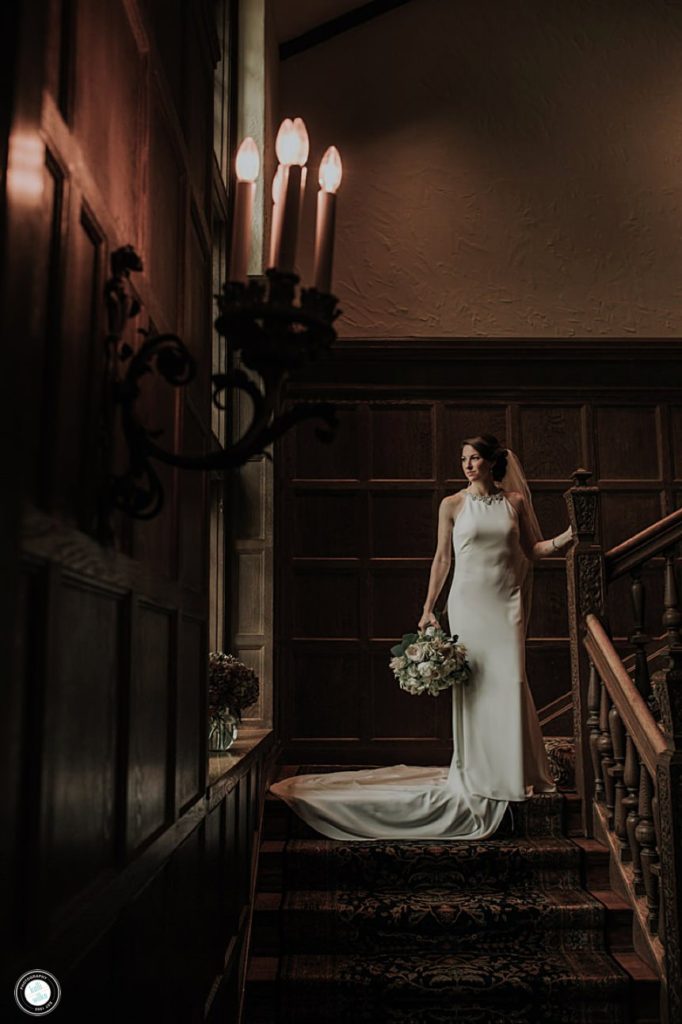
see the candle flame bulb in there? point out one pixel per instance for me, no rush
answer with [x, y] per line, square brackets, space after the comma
[248, 160]
[303, 141]
[292, 142]
[331, 170]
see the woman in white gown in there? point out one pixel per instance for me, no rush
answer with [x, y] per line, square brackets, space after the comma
[498, 751]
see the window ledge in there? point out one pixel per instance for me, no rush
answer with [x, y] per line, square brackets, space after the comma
[225, 770]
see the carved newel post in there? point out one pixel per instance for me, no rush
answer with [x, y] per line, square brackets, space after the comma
[586, 587]
[668, 688]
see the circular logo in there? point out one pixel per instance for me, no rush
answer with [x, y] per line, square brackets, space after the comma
[37, 992]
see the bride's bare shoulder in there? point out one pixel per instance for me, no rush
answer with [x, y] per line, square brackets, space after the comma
[515, 497]
[453, 502]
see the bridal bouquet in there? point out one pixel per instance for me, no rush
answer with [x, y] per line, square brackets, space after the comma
[429, 661]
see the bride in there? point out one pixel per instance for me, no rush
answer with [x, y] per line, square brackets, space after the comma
[498, 751]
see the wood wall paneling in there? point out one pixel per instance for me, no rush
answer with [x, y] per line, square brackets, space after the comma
[149, 799]
[551, 441]
[81, 727]
[190, 768]
[327, 696]
[402, 447]
[342, 460]
[403, 523]
[110, 131]
[628, 443]
[80, 365]
[559, 405]
[193, 505]
[396, 715]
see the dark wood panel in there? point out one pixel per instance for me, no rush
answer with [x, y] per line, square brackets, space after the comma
[167, 191]
[548, 671]
[628, 445]
[190, 768]
[396, 599]
[199, 305]
[193, 502]
[329, 523]
[80, 742]
[81, 355]
[111, 141]
[549, 614]
[403, 523]
[550, 443]
[550, 508]
[325, 602]
[149, 728]
[402, 443]
[676, 439]
[395, 714]
[342, 460]
[625, 512]
[326, 694]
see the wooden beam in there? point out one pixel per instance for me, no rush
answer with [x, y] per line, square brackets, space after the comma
[328, 29]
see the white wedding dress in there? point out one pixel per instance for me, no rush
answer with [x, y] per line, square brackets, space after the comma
[499, 754]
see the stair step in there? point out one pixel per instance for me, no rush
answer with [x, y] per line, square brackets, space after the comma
[540, 815]
[619, 916]
[595, 860]
[491, 864]
[431, 919]
[556, 988]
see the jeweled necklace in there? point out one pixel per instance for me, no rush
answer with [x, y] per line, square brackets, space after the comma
[487, 498]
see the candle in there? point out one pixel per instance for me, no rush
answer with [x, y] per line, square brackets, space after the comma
[292, 151]
[330, 179]
[276, 223]
[248, 166]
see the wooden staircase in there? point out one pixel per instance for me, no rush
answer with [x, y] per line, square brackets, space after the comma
[522, 927]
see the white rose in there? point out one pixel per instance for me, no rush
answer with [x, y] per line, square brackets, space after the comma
[413, 652]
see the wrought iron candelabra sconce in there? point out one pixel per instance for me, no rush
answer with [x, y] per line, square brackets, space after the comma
[274, 333]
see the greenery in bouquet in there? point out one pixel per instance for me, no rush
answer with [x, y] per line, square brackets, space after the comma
[232, 685]
[429, 661]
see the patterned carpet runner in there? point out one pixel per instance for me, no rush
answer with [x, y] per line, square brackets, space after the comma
[427, 933]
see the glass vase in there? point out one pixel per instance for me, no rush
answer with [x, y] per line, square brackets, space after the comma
[222, 731]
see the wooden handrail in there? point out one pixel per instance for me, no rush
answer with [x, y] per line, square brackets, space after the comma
[642, 546]
[630, 705]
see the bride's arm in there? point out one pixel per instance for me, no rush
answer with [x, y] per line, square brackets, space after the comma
[440, 567]
[535, 550]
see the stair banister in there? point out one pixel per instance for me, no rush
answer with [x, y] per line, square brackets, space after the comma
[615, 723]
[648, 543]
[586, 582]
[632, 708]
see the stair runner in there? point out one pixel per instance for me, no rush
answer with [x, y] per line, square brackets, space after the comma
[500, 930]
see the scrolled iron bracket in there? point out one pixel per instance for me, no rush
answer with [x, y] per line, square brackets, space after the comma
[274, 334]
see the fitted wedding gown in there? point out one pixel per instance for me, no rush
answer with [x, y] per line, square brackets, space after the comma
[498, 750]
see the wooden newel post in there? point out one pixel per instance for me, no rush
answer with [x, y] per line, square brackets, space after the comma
[668, 689]
[586, 587]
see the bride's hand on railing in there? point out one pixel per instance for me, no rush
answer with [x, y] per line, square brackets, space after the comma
[427, 619]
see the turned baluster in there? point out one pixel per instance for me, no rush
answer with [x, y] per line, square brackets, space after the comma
[631, 804]
[605, 747]
[646, 837]
[672, 618]
[616, 771]
[593, 701]
[639, 639]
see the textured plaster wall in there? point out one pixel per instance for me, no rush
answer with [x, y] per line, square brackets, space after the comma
[512, 167]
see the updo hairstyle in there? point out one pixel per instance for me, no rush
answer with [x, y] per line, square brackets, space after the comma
[490, 449]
